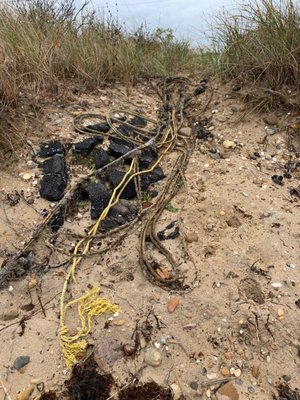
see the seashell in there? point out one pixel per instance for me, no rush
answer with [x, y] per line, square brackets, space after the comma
[152, 357]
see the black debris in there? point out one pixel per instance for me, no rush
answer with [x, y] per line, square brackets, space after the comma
[57, 219]
[147, 157]
[286, 393]
[99, 198]
[295, 192]
[85, 147]
[138, 121]
[278, 179]
[103, 127]
[202, 131]
[297, 302]
[154, 176]
[54, 165]
[124, 129]
[115, 177]
[49, 149]
[52, 186]
[167, 234]
[119, 147]
[101, 158]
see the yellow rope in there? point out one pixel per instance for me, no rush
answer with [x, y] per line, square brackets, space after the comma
[90, 304]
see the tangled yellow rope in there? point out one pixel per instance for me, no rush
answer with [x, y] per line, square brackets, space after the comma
[90, 304]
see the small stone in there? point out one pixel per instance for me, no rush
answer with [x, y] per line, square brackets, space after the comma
[228, 355]
[233, 222]
[194, 385]
[227, 392]
[10, 315]
[211, 375]
[152, 357]
[27, 176]
[222, 212]
[224, 371]
[286, 378]
[229, 144]
[185, 131]
[172, 304]
[191, 237]
[237, 372]
[177, 393]
[255, 371]
[142, 342]
[280, 314]
[119, 322]
[251, 389]
[270, 131]
[20, 362]
[270, 380]
[291, 266]
[276, 285]
[30, 200]
[271, 119]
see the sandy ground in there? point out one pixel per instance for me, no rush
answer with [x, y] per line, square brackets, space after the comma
[239, 234]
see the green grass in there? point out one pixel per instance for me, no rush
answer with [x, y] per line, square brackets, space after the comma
[260, 43]
[46, 43]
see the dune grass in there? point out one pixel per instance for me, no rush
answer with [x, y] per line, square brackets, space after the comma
[260, 43]
[44, 43]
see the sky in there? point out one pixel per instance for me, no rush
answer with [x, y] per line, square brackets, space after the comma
[189, 19]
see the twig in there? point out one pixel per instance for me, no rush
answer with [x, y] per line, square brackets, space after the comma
[41, 304]
[5, 390]
[213, 382]
[26, 318]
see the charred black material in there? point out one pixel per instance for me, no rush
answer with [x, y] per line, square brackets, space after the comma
[49, 149]
[52, 186]
[119, 147]
[99, 198]
[85, 147]
[101, 158]
[115, 177]
[103, 127]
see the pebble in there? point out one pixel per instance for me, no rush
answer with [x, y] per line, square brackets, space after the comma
[276, 285]
[224, 371]
[191, 237]
[20, 362]
[228, 355]
[255, 371]
[237, 372]
[269, 131]
[251, 389]
[27, 176]
[186, 131]
[172, 304]
[292, 266]
[194, 385]
[270, 380]
[286, 378]
[229, 144]
[211, 375]
[280, 314]
[142, 342]
[177, 393]
[227, 392]
[152, 357]
[10, 315]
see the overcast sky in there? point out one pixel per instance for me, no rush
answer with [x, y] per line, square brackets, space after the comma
[188, 18]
